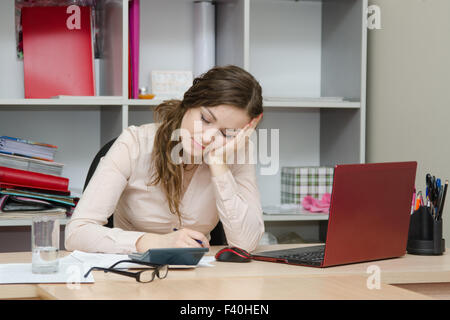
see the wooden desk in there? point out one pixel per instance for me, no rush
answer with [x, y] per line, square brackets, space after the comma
[424, 277]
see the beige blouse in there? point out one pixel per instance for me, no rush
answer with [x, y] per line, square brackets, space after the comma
[119, 187]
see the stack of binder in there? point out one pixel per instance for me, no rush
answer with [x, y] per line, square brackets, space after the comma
[30, 182]
[24, 192]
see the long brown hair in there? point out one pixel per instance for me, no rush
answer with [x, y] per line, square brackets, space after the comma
[228, 85]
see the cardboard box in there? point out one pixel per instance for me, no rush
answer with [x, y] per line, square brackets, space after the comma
[299, 182]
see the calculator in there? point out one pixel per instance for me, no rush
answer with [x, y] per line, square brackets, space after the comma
[171, 256]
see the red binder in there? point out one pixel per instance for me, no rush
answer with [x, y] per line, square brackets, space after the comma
[28, 179]
[57, 60]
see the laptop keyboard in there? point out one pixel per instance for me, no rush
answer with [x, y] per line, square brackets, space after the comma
[307, 255]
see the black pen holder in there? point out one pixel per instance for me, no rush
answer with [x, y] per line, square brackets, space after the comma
[425, 234]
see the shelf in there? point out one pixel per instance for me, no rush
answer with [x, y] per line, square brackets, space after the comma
[155, 102]
[144, 102]
[301, 103]
[5, 222]
[295, 217]
[85, 101]
[313, 103]
[296, 213]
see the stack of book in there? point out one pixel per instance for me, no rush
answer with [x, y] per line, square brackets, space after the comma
[29, 155]
[30, 182]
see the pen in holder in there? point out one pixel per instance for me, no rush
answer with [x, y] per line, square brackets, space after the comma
[425, 233]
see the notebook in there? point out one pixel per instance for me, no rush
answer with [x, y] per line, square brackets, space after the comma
[57, 60]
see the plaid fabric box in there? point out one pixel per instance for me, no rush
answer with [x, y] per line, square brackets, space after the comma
[298, 182]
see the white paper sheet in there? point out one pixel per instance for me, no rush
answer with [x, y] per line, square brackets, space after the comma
[14, 273]
[106, 260]
[73, 267]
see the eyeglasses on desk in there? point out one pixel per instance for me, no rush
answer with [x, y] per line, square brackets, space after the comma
[143, 276]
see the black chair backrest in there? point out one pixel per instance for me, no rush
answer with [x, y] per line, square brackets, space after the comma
[103, 151]
[217, 234]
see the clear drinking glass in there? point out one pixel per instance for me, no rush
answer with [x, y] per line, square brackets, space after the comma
[45, 244]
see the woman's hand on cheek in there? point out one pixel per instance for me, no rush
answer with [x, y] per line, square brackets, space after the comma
[219, 153]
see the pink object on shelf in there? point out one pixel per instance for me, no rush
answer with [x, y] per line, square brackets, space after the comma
[314, 205]
[134, 47]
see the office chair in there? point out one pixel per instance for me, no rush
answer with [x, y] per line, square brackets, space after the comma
[103, 151]
[217, 234]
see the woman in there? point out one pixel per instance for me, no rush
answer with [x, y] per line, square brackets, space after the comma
[165, 193]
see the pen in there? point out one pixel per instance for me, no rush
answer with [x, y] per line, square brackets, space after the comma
[437, 186]
[439, 201]
[432, 187]
[198, 241]
[441, 207]
[428, 182]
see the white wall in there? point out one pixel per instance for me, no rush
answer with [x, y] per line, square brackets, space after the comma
[74, 132]
[12, 85]
[408, 96]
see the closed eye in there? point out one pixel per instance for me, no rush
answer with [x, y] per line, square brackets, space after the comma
[226, 135]
[204, 120]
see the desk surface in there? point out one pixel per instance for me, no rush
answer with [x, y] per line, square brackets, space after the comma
[254, 280]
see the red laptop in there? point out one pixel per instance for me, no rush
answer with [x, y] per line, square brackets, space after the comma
[369, 217]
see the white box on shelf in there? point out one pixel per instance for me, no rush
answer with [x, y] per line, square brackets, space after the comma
[170, 84]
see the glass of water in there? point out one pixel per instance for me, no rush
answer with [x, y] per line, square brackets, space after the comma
[45, 244]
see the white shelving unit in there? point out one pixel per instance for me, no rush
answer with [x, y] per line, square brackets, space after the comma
[301, 52]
